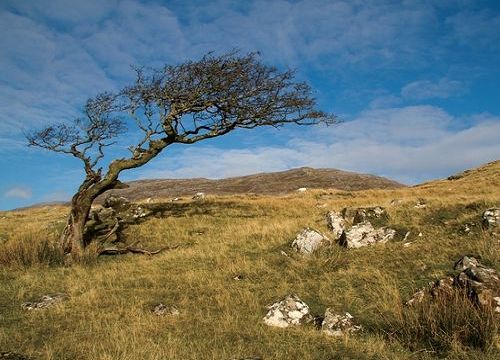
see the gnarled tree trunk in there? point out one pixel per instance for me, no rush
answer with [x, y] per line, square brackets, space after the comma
[72, 238]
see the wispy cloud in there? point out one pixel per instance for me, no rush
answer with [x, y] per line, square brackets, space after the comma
[19, 192]
[426, 89]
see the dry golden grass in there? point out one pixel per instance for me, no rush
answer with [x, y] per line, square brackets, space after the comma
[108, 317]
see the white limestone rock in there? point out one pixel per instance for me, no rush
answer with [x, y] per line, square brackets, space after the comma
[365, 234]
[308, 241]
[491, 218]
[290, 311]
[336, 224]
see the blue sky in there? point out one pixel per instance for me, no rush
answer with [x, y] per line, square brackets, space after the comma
[416, 83]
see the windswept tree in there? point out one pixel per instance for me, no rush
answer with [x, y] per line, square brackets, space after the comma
[176, 104]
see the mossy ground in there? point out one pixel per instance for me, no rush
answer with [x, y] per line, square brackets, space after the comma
[108, 317]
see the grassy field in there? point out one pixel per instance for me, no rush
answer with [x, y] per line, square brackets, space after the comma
[108, 313]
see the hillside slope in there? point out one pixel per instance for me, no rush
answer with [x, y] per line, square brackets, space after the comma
[231, 256]
[275, 183]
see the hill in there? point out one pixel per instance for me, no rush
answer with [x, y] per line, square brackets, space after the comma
[275, 183]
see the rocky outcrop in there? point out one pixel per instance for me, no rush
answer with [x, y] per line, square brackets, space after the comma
[491, 218]
[338, 325]
[308, 241]
[290, 311]
[44, 302]
[481, 284]
[364, 234]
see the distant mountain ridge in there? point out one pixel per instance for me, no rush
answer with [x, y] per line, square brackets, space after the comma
[271, 183]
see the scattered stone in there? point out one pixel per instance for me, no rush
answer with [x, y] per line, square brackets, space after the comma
[176, 199]
[302, 190]
[420, 234]
[407, 244]
[321, 205]
[365, 234]
[164, 310]
[238, 277]
[248, 358]
[338, 325]
[336, 224]
[9, 355]
[44, 302]
[396, 202]
[199, 196]
[406, 236]
[309, 241]
[420, 204]
[289, 311]
[283, 253]
[491, 218]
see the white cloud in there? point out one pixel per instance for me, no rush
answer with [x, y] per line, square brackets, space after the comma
[425, 89]
[19, 192]
[409, 144]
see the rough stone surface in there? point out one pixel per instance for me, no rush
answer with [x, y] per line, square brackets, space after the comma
[309, 241]
[366, 214]
[44, 302]
[465, 263]
[165, 310]
[290, 311]
[338, 325]
[481, 283]
[118, 203]
[491, 218]
[336, 224]
[365, 234]
[433, 289]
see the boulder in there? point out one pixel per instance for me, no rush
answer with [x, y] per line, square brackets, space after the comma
[491, 218]
[302, 190]
[338, 325]
[365, 234]
[309, 241]
[290, 311]
[44, 302]
[336, 224]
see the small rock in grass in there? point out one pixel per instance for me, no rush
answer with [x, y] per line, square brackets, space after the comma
[44, 302]
[339, 325]
[287, 312]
